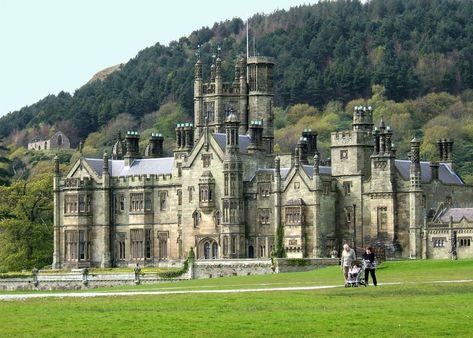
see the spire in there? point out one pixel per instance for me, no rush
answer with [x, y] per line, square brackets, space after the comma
[277, 165]
[105, 163]
[316, 163]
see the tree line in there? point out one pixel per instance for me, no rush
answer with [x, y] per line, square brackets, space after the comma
[325, 52]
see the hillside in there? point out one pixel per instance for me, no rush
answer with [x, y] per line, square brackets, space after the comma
[326, 52]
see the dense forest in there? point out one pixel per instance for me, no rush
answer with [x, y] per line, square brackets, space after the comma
[332, 50]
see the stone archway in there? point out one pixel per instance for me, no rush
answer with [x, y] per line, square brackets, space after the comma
[207, 249]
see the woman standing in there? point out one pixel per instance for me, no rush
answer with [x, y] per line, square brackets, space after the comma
[370, 268]
[348, 256]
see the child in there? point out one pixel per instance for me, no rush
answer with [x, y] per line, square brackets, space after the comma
[354, 271]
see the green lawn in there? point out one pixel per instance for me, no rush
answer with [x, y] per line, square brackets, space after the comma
[419, 307]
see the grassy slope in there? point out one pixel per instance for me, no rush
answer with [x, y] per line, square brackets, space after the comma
[409, 310]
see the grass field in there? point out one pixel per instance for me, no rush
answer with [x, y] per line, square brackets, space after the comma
[419, 307]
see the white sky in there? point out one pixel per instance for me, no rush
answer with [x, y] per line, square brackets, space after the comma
[53, 45]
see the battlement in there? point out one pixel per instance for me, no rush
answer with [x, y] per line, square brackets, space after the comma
[351, 138]
[137, 179]
[228, 88]
[75, 183]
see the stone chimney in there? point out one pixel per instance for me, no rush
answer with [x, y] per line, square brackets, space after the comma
[434, 169]
[311, 137]
[154, 149]
[302, 147]
[132, 147]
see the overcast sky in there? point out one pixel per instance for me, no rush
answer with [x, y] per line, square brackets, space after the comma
[53, 45]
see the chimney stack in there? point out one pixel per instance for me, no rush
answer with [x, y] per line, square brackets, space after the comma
[154, 149]
[132, 147]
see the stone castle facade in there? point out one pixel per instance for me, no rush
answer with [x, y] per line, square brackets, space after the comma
[227, 195]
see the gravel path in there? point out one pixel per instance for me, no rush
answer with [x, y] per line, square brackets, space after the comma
[7, 297]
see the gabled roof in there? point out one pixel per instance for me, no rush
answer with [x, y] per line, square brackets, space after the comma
[146, 166]
[243, 140]
[446, 175]
[457, 214]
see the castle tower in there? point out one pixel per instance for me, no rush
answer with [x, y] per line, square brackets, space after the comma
[415, 202]
[260, 95]
[382, 193]
[216, 99]
[233, 229]
[106, 201]
[350, 157]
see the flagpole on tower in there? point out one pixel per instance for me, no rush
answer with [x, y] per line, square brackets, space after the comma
[247, 38]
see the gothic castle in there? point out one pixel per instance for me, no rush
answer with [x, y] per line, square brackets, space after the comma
[226, 194]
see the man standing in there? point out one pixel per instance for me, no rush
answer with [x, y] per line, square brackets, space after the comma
[348, 256]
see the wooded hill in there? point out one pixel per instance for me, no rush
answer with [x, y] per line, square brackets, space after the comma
[327, 52]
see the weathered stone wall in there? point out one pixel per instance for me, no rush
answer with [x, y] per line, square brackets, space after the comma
[229, 267]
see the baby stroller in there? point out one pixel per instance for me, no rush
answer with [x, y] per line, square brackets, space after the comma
[355, 275]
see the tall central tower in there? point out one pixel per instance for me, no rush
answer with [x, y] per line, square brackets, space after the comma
[260, 96]
[249, 97]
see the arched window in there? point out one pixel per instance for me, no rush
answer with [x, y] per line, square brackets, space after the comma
[207, 250]
[196, 218]
[59, 140]
[214, 250]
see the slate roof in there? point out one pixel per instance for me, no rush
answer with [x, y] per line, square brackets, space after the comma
[457, 213]
[146, 166]
[324, 170]
[446, 175]
[244, 141]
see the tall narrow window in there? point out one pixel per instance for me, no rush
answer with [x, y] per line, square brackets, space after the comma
[163, 245]
[347, 188]
[207, 250]
[82, 203]
[382, 219]
[148, 201]
[233, 245]
[121, 201]
[196, 218]
[179, 197]
[233, 191]
[121, 245]
[82, 245]
[179, 169]
[225, 185]
[214, 250]
[137, 243]
[163, 200]
[148, 243]
[71, 245]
